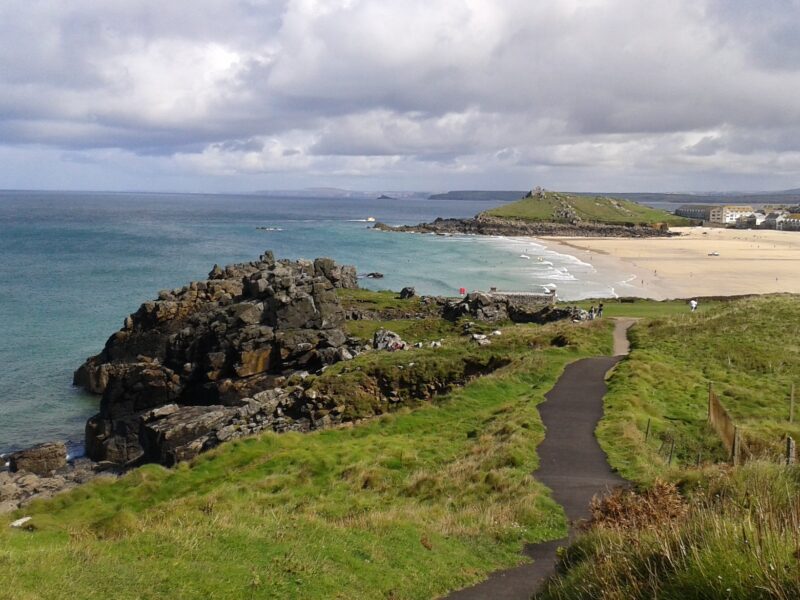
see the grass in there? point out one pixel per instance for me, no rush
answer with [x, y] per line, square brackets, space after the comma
[736, 536]
[591, 209]
[384, 300]
[411, 330]
[748, 348]
[722, 532]
[643, 308]
[408, 505]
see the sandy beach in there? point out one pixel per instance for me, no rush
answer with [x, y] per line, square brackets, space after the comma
[749, 261]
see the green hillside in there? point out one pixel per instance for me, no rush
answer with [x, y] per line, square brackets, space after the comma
[559, 207]
[408, 505]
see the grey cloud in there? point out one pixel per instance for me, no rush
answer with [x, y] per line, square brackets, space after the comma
[490, 88]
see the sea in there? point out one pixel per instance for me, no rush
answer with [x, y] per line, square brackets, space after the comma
[73, 265]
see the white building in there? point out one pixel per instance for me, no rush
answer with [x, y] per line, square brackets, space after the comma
[751, 221]
[790, 223]
[729, 213]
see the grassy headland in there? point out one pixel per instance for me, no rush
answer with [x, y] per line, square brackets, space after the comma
[561, 208]
[408, 505]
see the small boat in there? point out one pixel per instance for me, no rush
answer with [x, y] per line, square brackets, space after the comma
[370, 219]
[524, 256]
[715, 253]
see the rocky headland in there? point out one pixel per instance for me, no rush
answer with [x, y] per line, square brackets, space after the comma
[484, 224]
[243, 351]
[211, 361]
[246, 351]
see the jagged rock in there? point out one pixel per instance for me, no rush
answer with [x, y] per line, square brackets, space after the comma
[388, 340]
[407, 292]
[41, 459]
[500, 307]
[17, 489]
[212, 342]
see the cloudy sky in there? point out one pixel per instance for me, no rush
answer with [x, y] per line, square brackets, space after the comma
[234, 95]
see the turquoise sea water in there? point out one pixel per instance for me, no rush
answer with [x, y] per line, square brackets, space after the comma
[73, 265]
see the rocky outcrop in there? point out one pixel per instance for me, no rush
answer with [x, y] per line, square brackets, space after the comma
[187, 370]
[19, 488]
[42, 459]
[519, 308]
[388, 340]
[484, 224]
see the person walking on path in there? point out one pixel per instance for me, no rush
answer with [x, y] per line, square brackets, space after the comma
[600, 311]
[693, 304]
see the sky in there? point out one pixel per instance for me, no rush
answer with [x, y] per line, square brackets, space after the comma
[242, 95]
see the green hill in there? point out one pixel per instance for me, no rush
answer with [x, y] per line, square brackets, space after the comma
[567, 208]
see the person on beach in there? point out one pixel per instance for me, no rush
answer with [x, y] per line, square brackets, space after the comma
[693, 304]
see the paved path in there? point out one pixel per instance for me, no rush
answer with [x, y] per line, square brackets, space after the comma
[571, 464]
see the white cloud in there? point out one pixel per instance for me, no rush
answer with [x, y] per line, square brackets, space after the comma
[491, 93]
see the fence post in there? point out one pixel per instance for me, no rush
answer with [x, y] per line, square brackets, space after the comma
[647, 431]
[710, 394]
[735, 449]
[698, 459]
[671, 450]
[790, 452]
[791, 406]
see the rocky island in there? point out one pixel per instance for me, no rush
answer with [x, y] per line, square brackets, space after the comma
[541, 213]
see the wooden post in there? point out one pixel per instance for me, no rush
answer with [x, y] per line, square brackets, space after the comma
[647, 431]
[735, 448]
[790, 451]
[791, 406]
[671, 450]
[710, 394]
[698, 459]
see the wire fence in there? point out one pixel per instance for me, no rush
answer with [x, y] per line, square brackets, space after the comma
[738, 446]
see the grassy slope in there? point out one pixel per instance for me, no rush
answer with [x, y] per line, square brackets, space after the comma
[409, 505]
[740, 534]
[737, 540]
[643, 309]
[748, 348]
[592, 209]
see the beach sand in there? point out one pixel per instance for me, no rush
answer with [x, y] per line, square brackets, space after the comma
[749, 261]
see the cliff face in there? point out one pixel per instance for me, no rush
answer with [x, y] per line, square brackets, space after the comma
[205, 363]
[488, 225]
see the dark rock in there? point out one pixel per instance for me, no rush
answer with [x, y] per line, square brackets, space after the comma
[484, 224]
[41, 460]
[495, 306]
[407, 292]
[212, 342]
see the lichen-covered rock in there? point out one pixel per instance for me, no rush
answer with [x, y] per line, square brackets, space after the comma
[388, 340]
[212, 342]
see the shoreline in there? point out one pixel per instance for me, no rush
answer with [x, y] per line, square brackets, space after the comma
[749, 261]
